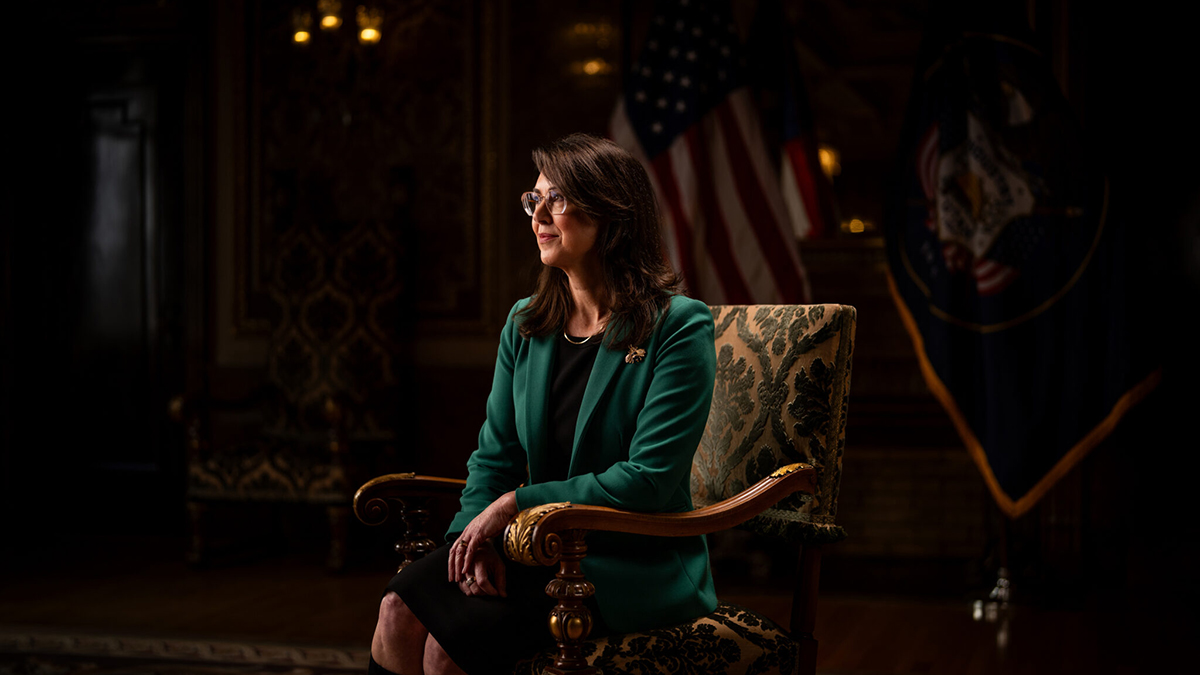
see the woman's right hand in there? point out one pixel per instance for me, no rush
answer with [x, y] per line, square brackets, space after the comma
[478, 535]
[488, 576]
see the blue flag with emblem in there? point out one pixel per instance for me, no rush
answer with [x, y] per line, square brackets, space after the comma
[1005, 261]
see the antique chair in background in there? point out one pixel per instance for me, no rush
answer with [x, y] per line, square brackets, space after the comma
[770, 461]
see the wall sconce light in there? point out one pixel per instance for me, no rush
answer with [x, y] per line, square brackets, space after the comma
[597, 66]
[369, 21]
[831, 161]
[330, 17]
[301, 26]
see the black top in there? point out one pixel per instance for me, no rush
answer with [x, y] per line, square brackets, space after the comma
[568, 381]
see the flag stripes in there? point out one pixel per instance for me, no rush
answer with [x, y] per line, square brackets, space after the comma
[726, 225]
[800, 190]
[688, 115]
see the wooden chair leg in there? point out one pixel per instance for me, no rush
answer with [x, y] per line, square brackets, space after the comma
[804, 608]
[571, 620]
[806, 661]
[339, 531]
[197, 548]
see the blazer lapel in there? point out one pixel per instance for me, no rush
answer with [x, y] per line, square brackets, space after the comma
[603, 370]
[537, 392]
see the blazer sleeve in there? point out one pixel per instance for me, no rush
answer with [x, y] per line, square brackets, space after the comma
[669, 425]
[499, 463]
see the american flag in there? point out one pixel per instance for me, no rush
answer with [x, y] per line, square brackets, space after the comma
[788, 122]
[689, 116]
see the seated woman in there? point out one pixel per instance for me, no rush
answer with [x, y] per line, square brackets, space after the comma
[601, 392]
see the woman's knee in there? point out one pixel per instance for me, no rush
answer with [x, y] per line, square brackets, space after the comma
[395, 616]
[437, 661]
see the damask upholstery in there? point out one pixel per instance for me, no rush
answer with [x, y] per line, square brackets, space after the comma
[730, 640]
[781, 396]
[269, 470]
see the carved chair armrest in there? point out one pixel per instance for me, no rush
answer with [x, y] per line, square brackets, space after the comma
[371, 500]
[532, 537]
[410, 492]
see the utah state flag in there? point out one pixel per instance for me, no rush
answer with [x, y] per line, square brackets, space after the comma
[1005, 261]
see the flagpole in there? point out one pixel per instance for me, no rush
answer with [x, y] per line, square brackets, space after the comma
[626, 39]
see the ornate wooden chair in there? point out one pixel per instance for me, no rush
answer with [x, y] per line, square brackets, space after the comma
[770, 461]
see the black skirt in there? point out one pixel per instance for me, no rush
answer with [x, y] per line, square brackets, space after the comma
[483, 634]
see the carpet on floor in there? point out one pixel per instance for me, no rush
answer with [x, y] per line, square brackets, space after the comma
[46, 653]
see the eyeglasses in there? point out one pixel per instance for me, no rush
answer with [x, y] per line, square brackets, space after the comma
[555, 203]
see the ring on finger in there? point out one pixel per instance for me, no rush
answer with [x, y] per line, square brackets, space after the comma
[470, 581]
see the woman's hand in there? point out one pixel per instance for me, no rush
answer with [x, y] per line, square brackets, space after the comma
[478, 534]
[489, 575]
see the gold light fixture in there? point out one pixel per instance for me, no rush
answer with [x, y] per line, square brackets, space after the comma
[831, 161]
[597, 66]
[301, 26]
[369, 21]
[857, 226]
[589, 41]
[331, 18]
[599, 33]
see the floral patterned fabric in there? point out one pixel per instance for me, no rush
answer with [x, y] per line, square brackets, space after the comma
[782, 388]
[732, 640]
[269, 471]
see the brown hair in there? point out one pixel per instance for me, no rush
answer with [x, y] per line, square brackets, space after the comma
[606, 183]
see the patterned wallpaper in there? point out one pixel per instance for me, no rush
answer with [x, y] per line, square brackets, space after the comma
[333, 125]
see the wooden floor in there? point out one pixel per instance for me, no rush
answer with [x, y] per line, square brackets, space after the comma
[141, 587]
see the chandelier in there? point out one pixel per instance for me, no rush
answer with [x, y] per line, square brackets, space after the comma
[329, 20]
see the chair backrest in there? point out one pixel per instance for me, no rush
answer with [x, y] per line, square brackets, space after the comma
[781, 393]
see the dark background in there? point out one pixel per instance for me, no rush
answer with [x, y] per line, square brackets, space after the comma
[129, 282]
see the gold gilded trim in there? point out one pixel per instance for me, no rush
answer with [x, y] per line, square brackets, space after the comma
[790, 468]
[518, 537]
[570, 625]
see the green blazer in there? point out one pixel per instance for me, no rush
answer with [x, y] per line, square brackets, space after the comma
[638, 427]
